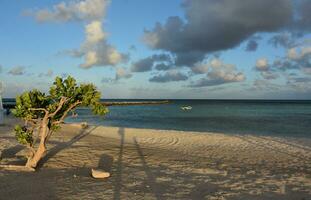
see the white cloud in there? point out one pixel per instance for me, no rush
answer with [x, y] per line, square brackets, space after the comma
[91, 59]
[219, 73]
[200, 68]
[227, 73]
[94, 32]
[73, 11]
[305, 51]
[49, 73]
[101, 54]
[262, 64]
[95, 50]
[17, 71]
[122, 73]
[264, 85]
[292, 54]
[295, 54]
[215, 63]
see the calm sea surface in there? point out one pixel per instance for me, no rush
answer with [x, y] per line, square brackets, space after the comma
[291, 118]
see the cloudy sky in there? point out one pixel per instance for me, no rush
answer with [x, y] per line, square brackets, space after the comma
[254, 49]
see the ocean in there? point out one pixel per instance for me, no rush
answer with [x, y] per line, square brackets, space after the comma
[290, 118]
[263, 117]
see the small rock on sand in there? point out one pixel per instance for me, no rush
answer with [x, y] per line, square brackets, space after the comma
[100, 174]
[251, 172]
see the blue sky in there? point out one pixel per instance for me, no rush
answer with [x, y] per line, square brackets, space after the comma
[159, 49]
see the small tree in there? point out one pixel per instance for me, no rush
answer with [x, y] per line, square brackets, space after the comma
[43, 114]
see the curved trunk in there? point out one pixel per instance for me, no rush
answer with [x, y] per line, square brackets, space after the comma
[33, 161]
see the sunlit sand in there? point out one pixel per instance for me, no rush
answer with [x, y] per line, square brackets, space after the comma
[158, 164]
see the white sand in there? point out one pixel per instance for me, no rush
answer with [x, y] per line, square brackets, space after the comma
[157, 164]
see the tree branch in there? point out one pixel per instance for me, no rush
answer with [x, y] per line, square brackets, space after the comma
[62, 101]
[31, 149]
[66, 112]
[32, 122]
[39, 109]
[16, 168]
[49, 134]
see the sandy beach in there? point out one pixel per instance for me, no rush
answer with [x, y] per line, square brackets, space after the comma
[158, 164]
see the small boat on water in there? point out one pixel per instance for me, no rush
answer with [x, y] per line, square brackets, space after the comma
[186, 107]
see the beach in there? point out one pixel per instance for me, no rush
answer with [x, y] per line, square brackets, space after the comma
[158, 164]
[155, 100]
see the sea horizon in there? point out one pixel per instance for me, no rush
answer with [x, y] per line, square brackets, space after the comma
[258, 117]
[263, 117]
[6, 99]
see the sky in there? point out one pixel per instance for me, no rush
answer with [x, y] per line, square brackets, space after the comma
[189, 49]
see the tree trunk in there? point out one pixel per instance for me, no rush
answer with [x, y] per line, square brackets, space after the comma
[33, 161]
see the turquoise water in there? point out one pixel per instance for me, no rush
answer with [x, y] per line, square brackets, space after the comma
[292, 118]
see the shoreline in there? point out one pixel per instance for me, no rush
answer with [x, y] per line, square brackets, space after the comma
[160, 164]
[273, 135]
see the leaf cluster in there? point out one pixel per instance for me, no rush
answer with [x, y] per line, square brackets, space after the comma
[29, 100]
[23, 135]
[86, 94]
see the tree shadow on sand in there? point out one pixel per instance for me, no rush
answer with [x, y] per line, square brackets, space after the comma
[56, 149]
[9, 155]
[151, 180]
[11, 152]
[148, 184]
[119, 182]
[105, 163]
[119, 167]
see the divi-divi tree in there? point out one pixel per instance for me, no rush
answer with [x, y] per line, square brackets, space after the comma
[43, 113]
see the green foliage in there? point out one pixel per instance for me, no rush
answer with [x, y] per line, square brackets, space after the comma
[23, 135]
[87, 94]
[53, 127]
[28, 101]
[99, 109]
[34, 105]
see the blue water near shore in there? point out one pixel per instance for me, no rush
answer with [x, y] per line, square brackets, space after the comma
[264, 117]
[287, 118]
